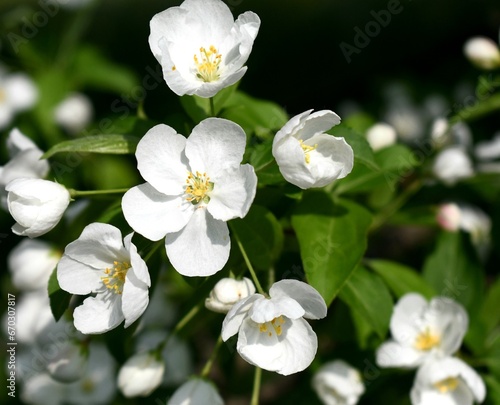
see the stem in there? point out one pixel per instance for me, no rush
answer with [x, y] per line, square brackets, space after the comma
[256, 386]
[77, 193]
[190, 315]
[212, 107]
[208, 365]
[153, 249]
[395, 205]
[247, 262]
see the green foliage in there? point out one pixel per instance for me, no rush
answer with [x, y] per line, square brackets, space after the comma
[59, 299]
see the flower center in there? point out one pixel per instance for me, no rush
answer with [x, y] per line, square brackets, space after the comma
[207, 64]
[307, 149]
[426, 340]
[275, 325]
[198, 187]
[447, 385]
[115, 276]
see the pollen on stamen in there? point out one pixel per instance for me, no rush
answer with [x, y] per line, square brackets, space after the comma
[307, 149]
[208, 64]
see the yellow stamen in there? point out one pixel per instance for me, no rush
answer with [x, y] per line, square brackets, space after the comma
[173, 68]
[447, 385]
[426, 340]
[307, 149]
[198, 187]
[115, 276]
[207, 66]
[275, 325]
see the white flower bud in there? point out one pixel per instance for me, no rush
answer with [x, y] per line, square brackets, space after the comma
[36, 205]
[482, 52]
[381, 135]
[337, 383]
[141, 375]
[196, 392]
[31, 263]
[452, 164]
[74, 113]
[69, 364]
[449, 217]
[228, 292]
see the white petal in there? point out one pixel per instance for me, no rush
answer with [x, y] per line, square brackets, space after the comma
[27, 164]
[403, 321]
[266, 310]
[308, 298]
[78, 278]
[233, 193]
[201, 248]
[316, 123]
[139, 267]
[161, 160]
[394, 354]
[338, 378]
[17, 142]
[21, 91]
[196, 392]
[292, 162]
[96, 315]
[289, 353]
[215, 144]
[291, 127]
[135, 298]
[236, 315]
[153, 214]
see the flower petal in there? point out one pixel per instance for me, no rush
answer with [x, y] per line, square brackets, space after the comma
[138, 265]
[233, 193]
[201, 248]
[317, 123]
[403, 321]
[77, 278]
[215, 145]
[153, 214]
[161, 160]
[97, 315]
[266, 310]
[135, 298]
[394, 354]
[309, 299]
[237, 314]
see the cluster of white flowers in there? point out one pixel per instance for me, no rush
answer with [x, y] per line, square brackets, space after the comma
[425, 335]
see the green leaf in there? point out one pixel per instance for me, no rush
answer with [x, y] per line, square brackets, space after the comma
[59, 299]
[367, 294]
[489, 314]
[332, 240]
[493, 390]
[454, 271]
[261, 235]
[113, 144]
[401, 279]
[265, 165]
[260, 117]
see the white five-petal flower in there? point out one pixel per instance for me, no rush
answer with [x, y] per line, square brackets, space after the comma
[447, 381]
[338, 383]
[200, 46]
[228, 292]
[37, 205]
[193, 187]
[272, 333]
[99, 262]
[306, 156]
[423, 330]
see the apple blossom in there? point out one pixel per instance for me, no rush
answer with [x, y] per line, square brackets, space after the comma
[338, 383]
[306, 156]
[31, 263]
[37, 205]
[193, 187]
[488, 149]
[272, 333]
[74, 113]
[141, 375]
[381, 135]
[482, 52]
[422, 330]
[70, 362]
[196, 392]
[452, 164]
[200, 46]
[17, 93]
[228, 292]
[447, 381]
[99, 262]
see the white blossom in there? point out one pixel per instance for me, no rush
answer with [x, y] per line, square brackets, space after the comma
[31, 263]
[488, 149]
[306, 156]
[381, 135]
[228, 292]
[74, 113]
[447, 381]
[99, 263]
[196, 392]
[193, 187]
[200, 46]
[422, 330]
[17, 93]
[272, 333]
[338, 383]
[482, 52]
[70, 362]
[37, 205]
[141, 375]
[452, 164]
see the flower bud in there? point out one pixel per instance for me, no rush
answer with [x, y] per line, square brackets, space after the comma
[228, 292]
[381, 135]
[452, 164]
[449, 217]
[196, 392]
[482, 52]
[141, 375]
[70, 362]
[31, 263]
[36, 205]
[74, 113]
